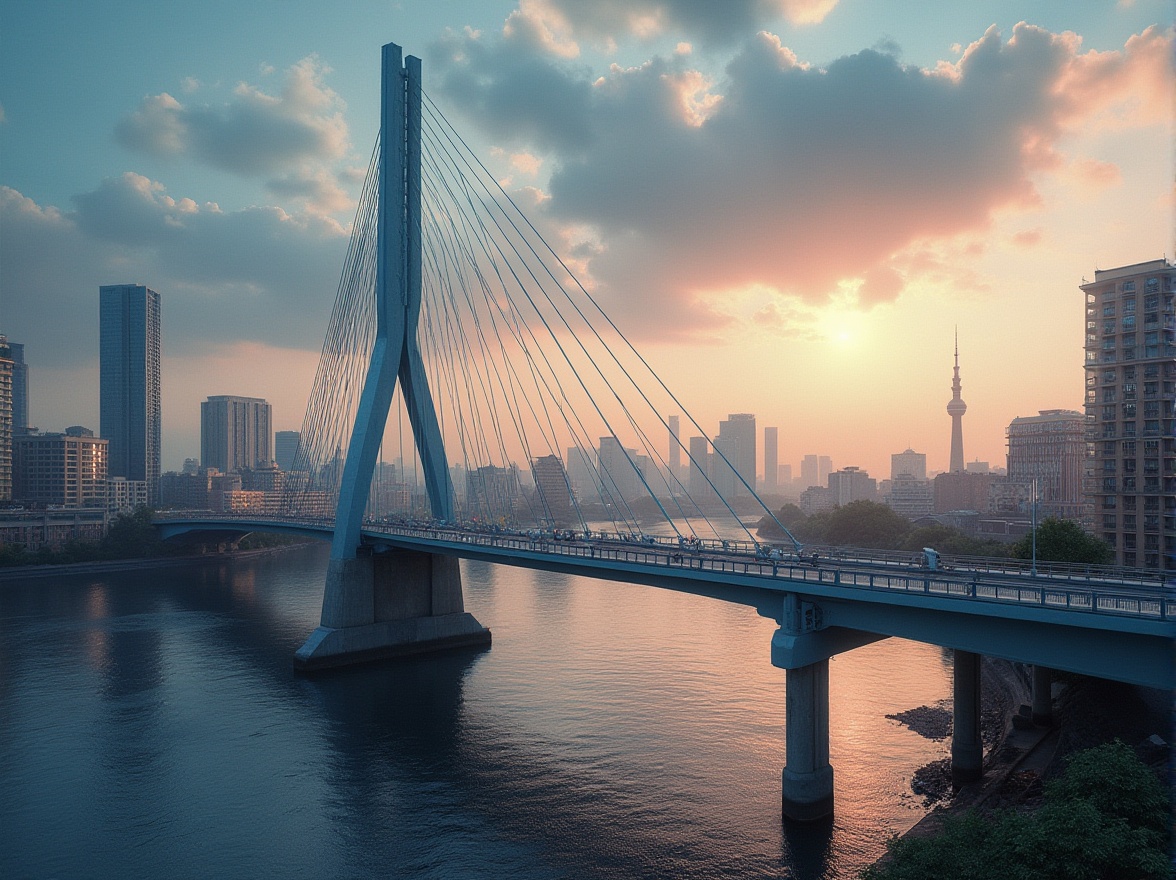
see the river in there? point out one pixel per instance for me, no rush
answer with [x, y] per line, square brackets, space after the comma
[151, 726]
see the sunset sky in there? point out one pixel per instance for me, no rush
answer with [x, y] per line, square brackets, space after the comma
[789, 205]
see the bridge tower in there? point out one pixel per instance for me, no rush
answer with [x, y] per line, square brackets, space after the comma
[397, 602]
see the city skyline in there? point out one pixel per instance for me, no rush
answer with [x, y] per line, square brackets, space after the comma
[182, 188]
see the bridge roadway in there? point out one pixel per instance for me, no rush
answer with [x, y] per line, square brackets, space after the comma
[1101, 622]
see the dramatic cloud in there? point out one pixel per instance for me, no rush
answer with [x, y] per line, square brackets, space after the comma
[790, 176]
[259, 273]
[294, 136]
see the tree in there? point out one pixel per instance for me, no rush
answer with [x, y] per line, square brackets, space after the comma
[1063, 540]
[866, 524]
[132, 536]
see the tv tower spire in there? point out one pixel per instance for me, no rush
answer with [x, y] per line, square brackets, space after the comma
[956, 409]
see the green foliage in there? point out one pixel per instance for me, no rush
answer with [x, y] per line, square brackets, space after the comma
[1063, 540]
[945, 539]
[132, 536]
[1104, 819]
[866, 524]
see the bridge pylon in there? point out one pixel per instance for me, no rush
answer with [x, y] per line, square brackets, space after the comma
[398, 602]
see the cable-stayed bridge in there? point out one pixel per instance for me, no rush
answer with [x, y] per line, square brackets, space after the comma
[461, 344]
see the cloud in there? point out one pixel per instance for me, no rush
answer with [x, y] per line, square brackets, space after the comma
[788, 175]
[293, 135]
[259, 273]
[608, 21]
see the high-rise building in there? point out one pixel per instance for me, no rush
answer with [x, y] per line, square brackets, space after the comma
[20, 386]
[824, 468]
[60, 470]
[784, 479]
[5, 421]
[1049, 449]
[1130, 391]
[956, 409]
[771, 459]
[235, 432]
[809, 475]
[554, 490]
[736, 441]
[908, 463]
[618, 471]
[129, 397]
[583, 474]
[700, 456]
[286, 448]
[852, 484]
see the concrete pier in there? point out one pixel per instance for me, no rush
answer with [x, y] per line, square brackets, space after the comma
[967, 749]
[807, 791]
[1042, 696]
[390, 604]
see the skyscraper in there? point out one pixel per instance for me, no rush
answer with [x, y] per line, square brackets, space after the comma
[736, 441]
[956, 409]
[20, 387]
[1130, 394]
[286, 448]
[5, 421]
[909, 463]
[808, 472]
[235, 432]
[1050, 449]
[129, 398]
[771, 464]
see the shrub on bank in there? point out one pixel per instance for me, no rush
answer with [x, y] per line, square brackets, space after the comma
[1106, 818]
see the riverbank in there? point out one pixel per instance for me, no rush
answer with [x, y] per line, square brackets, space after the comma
[26, 572]
[1021, 758]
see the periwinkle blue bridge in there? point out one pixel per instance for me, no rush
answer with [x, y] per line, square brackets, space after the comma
[454, 314]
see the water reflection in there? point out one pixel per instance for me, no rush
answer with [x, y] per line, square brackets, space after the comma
[611, 731]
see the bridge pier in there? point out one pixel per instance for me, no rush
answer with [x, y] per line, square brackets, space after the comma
[967, 749]
[1042, 695]
[390, 604]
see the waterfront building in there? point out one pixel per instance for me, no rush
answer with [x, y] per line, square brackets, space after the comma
[1050, 449]
[618, 471]
[123, 495]
[20, 385]
[6, 365]
[60, 470]
[554, 490]
[814, 499]
[235, 432]
[52, 529]
[771, 460]
[675, 457]
[492, 492]
[1130, 390]
[700, 468]
[129, 380]
[286, 448]
[582, 473]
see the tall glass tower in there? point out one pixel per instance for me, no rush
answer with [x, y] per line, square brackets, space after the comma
[129, 393]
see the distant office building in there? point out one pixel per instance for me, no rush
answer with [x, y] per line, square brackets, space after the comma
[910, 496]
[53, 529]
[737, 441]
[723, 474]
[808, 472]
[962, 491]
[700, 467]
[6, 365]
[784, 476]
[191, 466]
[814, 499]
[286, 448]
[123, 495]
[1050, 448]
[1130, 390]
[582, 473]
[978, 467]
[235, 432]
[956, 409]
[60, 470]
[129, 396]
[492, 492]
[852, 484]
[554, 490]
[908, 463]
[771, 459]
[824, 468]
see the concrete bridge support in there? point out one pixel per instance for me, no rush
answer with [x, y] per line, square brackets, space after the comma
[967, 749]
[1042, 696]
[390, 604]
[807, 791]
